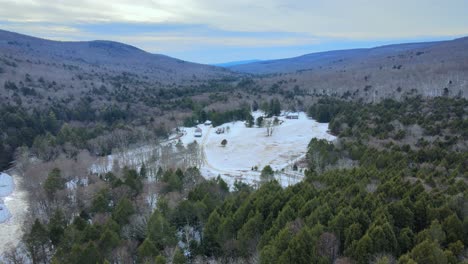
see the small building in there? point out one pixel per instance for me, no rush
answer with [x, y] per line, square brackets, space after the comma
[292, 116]
[198, 132]
[207, 123]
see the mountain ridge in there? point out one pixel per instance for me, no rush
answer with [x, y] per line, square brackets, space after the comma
[234, 63]
[253, 67]
[105, 53]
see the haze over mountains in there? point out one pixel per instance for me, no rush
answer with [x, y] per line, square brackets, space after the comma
[235, 63]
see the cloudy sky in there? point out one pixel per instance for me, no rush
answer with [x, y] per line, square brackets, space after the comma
[213, 31]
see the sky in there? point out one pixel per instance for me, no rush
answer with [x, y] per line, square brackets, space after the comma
[216, 31]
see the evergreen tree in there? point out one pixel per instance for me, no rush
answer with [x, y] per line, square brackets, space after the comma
[54, 183]
[210, 235]
[259, 121]
[37, 241]
[250, 233]
[250, 120]
[179, 257]
[123, 211]
[147, 250]
[160, 260]
[90, 254]
[160, 232]
[143, 171]
[405, 240]
[108, 240]
[363, 249]
[267, 173]
[254, 106]
[453, 228]
[429, 253]
[56, 227]
[100, 202]
[268, 255]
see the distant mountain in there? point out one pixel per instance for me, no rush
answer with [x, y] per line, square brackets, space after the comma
[321, 59]
[39, 72]
[430, 69]
[234, 63]
[49, 58]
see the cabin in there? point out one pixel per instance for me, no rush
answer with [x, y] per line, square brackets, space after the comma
[292, 116]
[198, 132]
[207, 123]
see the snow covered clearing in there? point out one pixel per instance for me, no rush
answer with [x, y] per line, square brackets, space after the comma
[15, 207]
[247, 148]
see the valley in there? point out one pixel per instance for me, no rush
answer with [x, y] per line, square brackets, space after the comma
[116, 155]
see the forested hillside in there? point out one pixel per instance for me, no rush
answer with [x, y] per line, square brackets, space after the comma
[396, 71]
[392, 188]
[85, 94]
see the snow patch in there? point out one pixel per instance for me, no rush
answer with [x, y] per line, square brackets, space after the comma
[6, 188]
[13, 209]
[6, 184]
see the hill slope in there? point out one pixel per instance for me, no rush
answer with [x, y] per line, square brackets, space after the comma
[430, 69]
[322, 59]
[41, 68]
[107, 55]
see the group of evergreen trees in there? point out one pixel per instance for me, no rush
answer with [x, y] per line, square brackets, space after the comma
[272, 108]
[44, 130]
[397, 202]
[218, 117]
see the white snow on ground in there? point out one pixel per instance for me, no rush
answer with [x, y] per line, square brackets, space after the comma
[6, 188]
[6, 184]
[4, 212]
[249, 147]
[15, 201]
[246, 148]
[132, 158]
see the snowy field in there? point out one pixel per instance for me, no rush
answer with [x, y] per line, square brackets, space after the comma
[13, 202]
[251, 147]
[246, 148]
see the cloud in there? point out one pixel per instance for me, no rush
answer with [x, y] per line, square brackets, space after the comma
[341, 18]
[198, 29]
